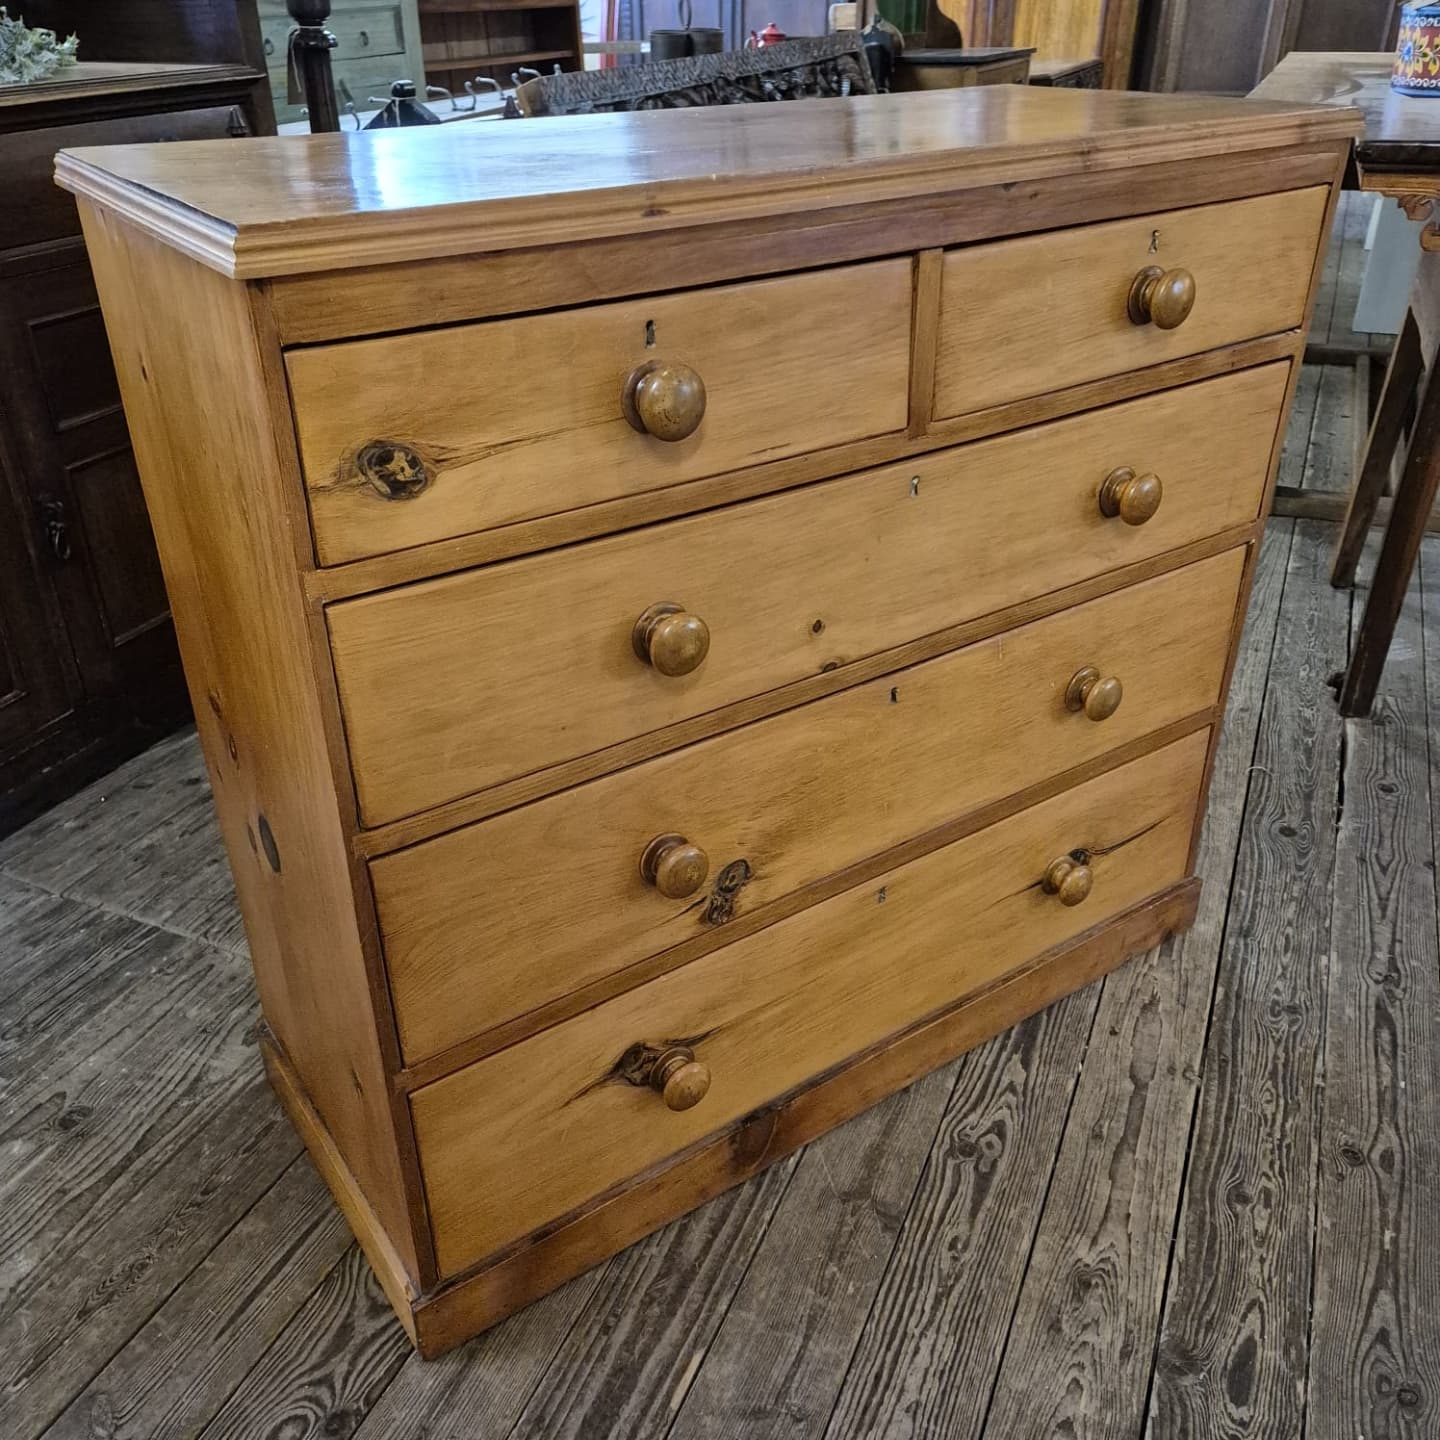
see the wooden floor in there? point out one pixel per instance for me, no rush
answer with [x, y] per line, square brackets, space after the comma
[1200, 1199]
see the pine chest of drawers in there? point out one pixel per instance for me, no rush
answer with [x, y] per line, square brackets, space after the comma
[696, 618]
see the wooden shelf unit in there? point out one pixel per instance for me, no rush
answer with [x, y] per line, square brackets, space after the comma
[465, 38]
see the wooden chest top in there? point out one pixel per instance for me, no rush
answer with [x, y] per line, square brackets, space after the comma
[283, 206]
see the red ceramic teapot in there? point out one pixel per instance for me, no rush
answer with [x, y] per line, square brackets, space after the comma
[772, 34]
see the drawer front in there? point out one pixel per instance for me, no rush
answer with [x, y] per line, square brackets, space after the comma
[413, 438]
[359, 34]
[457, 684]
[781, 1006]
[494, 920]
[1025, 317]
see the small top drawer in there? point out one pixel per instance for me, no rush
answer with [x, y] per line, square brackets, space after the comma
[1025, 317]
[411, 438]
[458, 684]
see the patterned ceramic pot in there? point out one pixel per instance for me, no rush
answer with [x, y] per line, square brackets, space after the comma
[1417, 60]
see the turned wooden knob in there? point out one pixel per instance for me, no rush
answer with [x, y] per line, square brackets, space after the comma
[674, 866]
[1068, 879]
[1134, 498]
[664, 399]
[679, 1078]
[1099, 696]
[668, 637]
[1162, 298]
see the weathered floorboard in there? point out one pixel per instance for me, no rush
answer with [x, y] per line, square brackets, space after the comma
[178, 1370]
[1375, 1359]
[626, 1365]
[89, 1298]
[1082, 1340]
[926, 1358]
[326, 1369]
[481, 1388]
[142, 842]
[1233, 1347]
[773, 1369]
[90, 1112]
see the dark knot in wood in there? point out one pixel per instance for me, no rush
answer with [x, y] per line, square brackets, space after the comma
[393, 470]
[731, 880]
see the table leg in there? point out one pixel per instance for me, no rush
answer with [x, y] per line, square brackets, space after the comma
[1401, 377]
[1414, 498]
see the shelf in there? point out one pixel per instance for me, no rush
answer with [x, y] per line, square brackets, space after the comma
[476, 7]
[491, 58]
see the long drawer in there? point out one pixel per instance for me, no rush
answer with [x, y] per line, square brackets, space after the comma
[412, 438]
[765, 1014]
[457, 684]
[474, 936]
[1024, 317]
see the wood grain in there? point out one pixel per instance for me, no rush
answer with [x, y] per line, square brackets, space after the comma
[329, 202]
[205, 440]
[789, 800]
[490, 1293]
[1414, 501]
[337, 305]
[521, 418]
[1079, 1355]
[1375, 1325]
[625, 1367]
[874, 867]
[1046, 311]
[785, 1004]
[927, 1355]
[814, 1277]
[326, 1369]
[379, 1248]
[1234, 1331]
[177, 1371]
[795, 585]
[204, 1160]
[483, 1386]
[484, 547]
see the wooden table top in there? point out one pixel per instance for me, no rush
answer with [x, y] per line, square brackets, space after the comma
[1402, 132]
[273, 206]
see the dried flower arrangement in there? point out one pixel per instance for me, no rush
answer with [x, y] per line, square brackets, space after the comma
[28, 54]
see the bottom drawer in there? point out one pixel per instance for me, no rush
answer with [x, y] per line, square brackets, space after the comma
[533, 1132]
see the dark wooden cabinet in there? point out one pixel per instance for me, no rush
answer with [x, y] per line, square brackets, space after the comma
[88, 666]
[1231, 45]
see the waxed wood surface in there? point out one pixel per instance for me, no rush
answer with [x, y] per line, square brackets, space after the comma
[910, 1335]
[786, 1003]
[170, 1302]
[790, 586]
[803, 795]
[522, 418]
[314, 203]
[1021, 317]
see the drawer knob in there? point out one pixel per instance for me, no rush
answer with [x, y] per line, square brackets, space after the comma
[1068, 879]
[679, 1078]
[1133, 498]
[1162, 298]
[668, 637]
[1098, 696]
[664, 399]
[674, 866]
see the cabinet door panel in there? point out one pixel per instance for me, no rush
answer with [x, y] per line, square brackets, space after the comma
[81, 499]
[36, 684]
